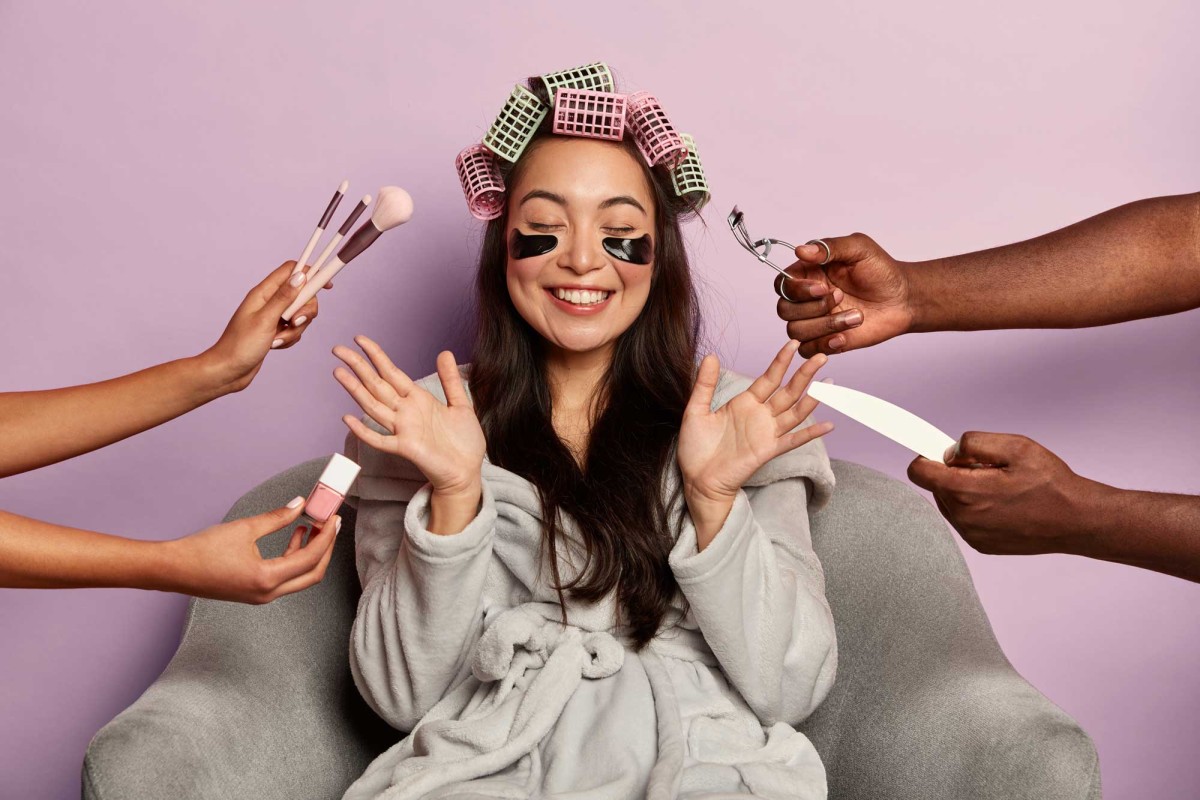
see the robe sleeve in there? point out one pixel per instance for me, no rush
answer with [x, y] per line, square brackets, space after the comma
[757, 591]
[420, 613]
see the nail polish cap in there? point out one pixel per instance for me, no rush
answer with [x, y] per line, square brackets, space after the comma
[339, 474]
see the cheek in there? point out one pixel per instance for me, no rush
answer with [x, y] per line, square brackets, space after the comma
[635, 278]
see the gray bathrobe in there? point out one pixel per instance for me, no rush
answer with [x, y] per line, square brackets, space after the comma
[459, 640]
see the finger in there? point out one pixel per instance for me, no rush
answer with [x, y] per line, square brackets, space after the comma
[451, 378]
[328, 284]
[807, 330]
[826, 345]
[705, 387]
[284, 294]
[766, 384]
[384, 391]
[390, 372]
[308, 579]
[789, 442]
[787, 396]
[296, 540]
[807, 309]
[991, 449]
[366, 401]
[305, 314]
[366, 435]
[306, 559]
[846, 249]
[262, 525]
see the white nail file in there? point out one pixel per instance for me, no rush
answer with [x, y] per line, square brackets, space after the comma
[881, 416]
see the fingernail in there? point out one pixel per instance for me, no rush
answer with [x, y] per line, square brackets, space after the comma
[819, 290]
[298, 321]
[810, 250]
[950, 453]
[276, 343]
[296, 280]
[827, 380]
[838, 295]
[295, 502]
[837, 343]
[851, 319]
[337, 526]
[793, 345]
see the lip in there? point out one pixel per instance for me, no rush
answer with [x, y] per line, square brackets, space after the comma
[580, 311]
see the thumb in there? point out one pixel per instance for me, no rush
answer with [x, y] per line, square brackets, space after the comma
[989, 449]
[705, 387]
[282, 298]
[263, 524]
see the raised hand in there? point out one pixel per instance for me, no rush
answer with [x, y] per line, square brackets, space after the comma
[860, 297]
[719, 450]
[443, 440]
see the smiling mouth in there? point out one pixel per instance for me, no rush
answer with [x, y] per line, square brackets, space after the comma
[581, 297]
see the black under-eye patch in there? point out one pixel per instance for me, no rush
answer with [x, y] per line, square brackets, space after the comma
[522, 246]
[635, 251]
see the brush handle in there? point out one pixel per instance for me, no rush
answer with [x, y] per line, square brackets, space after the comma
[337, 237]
[308, 248]
[314, 284]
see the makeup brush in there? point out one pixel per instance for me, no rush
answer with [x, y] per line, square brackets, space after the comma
[342, 231]
[312, 240]
[393, 207]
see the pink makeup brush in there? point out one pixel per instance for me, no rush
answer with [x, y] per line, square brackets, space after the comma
[393, 207]
[312, 240]
[342, 231]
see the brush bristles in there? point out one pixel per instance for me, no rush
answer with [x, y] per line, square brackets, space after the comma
[393, 207]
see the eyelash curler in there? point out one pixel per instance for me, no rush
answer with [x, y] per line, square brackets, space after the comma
[761, 248]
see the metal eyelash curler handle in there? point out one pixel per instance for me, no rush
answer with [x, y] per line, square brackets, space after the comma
[759, 248]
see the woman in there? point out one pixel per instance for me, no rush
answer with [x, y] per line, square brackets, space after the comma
[581, 579]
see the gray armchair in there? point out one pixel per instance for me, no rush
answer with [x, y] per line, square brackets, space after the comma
[258, 701]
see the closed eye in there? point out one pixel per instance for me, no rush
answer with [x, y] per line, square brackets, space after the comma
[540, 226]
[620, 231]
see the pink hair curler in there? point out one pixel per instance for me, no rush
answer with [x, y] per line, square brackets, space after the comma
[596, 115]
[516, 124]
[656, 137]
[482, 182]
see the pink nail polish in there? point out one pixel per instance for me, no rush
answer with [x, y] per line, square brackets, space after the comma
[296, 279]
[298, 321]
[276, 343]
[331, 488]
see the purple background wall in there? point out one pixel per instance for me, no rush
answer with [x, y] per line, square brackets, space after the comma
[157, 162]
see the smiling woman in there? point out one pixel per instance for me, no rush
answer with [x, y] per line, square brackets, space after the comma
[599, 506]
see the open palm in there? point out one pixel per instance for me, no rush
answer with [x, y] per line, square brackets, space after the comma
[719, 450]
[443, 440]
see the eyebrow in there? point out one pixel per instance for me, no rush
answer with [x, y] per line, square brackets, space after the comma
[562, 201]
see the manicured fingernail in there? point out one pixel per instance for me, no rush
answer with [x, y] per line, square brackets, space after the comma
[827, 380]
[337, 526]
[792, 345]
[276, 343]
[295, 502]
[838, 296]
[296, 280]
[837, 343]
[950, 453]
[808, 250]
[819, 290]
[850, 319]
[298, 321]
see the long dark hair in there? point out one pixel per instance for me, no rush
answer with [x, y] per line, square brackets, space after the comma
[617, 498]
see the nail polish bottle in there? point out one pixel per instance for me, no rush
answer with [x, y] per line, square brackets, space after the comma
[331, 488]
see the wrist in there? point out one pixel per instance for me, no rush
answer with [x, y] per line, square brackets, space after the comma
[1095, 509]
[216, 375]
[921, 296]
[451, 510]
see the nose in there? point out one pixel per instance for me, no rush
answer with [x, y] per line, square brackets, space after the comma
[583, 254]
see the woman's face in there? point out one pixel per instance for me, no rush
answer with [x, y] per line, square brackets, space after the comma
[580, 295]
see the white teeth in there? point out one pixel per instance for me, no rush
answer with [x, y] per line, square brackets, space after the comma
[581, 297]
